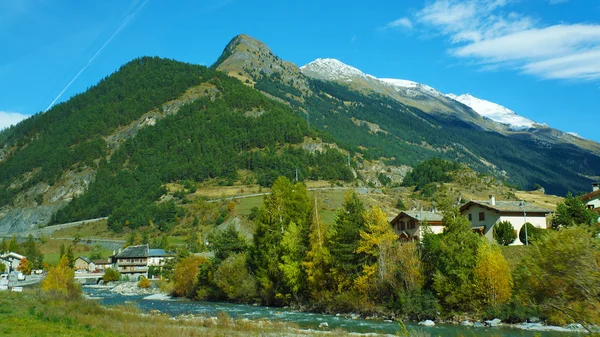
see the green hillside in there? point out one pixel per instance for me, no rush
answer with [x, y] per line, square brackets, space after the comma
[407, 135]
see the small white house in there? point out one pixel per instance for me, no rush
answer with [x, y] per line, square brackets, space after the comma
[484, 214]
[409, 224]
[158, 257]
[13, 260]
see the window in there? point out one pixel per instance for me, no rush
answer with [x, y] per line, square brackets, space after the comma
[470, 217]
[402, 226]
[481, 216]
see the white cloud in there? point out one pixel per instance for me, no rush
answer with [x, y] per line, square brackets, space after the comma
[486, 31]
[555, 2]
[400, 23]
[10, 118]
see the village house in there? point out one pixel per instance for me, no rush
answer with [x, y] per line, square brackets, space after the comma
[484, 214]
[132, 261]
[11, 260]
[83, 263]
[409, 225]
[102, 265]
[592, 199]
[157, 259]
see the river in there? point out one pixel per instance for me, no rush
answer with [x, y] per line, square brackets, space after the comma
[305, 320]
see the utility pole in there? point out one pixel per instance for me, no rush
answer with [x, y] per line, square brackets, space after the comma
[296, 174]
[348, 159]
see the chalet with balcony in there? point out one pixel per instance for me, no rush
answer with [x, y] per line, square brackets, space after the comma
[133, 261]
[409, 225]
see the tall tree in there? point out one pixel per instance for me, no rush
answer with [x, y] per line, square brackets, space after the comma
[287, 203]
[344, 238]
[70, 256]
[378, 243]
[318, 257]
[492, 274]
[453, 278]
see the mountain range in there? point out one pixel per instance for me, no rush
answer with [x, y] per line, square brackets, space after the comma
[249, 118]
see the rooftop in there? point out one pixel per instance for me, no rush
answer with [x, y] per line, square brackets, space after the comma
[422, 216]
[157, 252]
[590, 196]
[101, 261]
[134, 251]
[507, 206]
[84, 258]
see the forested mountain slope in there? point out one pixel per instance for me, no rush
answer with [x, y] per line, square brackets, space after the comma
[170, 122]
[380, 126]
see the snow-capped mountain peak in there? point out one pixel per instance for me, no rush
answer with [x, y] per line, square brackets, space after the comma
[410, 85]
[332, 69]
[495, 112]
[335, 70]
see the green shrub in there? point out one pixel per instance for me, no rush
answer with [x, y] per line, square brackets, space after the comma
[533, 233]
[505, 233]
[111, 275]
[144, 283]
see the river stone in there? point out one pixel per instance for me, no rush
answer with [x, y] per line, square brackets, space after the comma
[323, 325]
[478, 325]
[466, 323]
[494, 322]
[575, 326]
[427, 322]
[534, 319]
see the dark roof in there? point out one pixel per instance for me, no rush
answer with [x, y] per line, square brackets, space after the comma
[101, 261]
[133, 251]
[590, 196]
[84, 258]
[420, 216]
[504, 206]
[157, 252]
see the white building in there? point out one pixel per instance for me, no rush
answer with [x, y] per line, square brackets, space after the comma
[409, 224]
[13, 260]
[484, 214]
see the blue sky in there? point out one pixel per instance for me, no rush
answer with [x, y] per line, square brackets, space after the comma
[540, 58]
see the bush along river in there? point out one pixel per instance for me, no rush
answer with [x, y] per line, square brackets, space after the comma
[181, 307]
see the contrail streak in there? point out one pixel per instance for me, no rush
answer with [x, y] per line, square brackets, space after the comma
[127, 19]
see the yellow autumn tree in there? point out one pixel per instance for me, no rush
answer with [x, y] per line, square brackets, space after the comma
[25, 266]
[61, 279]
[377, 241]
[492, 274]
[318, 259]
[410, 266]
[186, 275]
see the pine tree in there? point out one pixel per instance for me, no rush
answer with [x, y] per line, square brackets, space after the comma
[344, 238]
[70, 257]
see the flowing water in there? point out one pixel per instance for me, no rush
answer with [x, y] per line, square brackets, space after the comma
[174, 307]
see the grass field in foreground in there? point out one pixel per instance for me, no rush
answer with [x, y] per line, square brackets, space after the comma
[35, 313]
